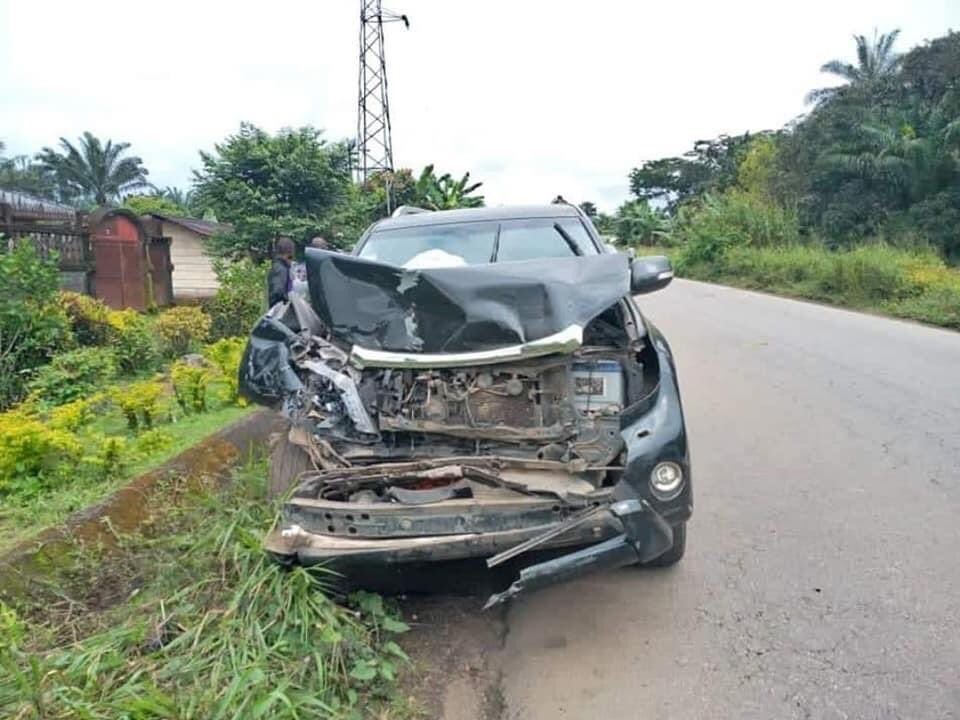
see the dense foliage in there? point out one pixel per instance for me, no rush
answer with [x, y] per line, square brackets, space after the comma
[72, 375]
[877, 158]
[241, 298]
[147, 204]
[183, 329]
[266, 185]
[32, 325]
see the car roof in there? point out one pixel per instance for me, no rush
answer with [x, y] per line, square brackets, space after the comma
[483, 214]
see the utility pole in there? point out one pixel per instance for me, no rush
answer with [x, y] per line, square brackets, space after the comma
[374, 147]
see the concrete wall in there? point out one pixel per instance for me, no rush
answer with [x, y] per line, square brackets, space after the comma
[193, 275]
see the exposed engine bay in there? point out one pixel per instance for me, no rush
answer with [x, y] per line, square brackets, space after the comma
[563, 409]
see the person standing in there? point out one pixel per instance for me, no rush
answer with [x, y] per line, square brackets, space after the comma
[280, 277]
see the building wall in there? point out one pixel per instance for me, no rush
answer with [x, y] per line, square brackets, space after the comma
[193, 275]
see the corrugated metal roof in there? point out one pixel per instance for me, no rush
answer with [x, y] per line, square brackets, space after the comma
[26, 202]
[201, 227]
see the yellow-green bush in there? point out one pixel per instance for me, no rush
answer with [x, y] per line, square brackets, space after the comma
[32, 454]
[225, 355]
[151, 442]
[183, 329]
[140, 403]
[89, 317]
[938, 302]
[76, 414]
[190, 386]
[135, 342]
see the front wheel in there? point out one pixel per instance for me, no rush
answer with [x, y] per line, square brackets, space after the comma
[675, 553]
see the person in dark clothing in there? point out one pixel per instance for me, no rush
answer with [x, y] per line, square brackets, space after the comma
[280, 279]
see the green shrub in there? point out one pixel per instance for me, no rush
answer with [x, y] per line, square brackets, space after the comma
[151, 442]
[107, 459]
[938, 304]
[140, 403]
[734, 219]
[241, 298]
[190, 386]
[225, 354]
[34, 456]
[871, 272]
[135, 345]
[73, 374]
[32, 325]
[183, 329]
[906, 283]
[76, 414]
[89, 318]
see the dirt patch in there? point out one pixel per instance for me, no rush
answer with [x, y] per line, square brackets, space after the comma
[453, 645]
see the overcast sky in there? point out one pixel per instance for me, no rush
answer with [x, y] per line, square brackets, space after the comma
[534, 98]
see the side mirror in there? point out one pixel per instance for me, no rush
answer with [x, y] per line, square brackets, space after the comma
[648, 274]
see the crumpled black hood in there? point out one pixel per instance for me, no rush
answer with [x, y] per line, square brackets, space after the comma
[460, 309]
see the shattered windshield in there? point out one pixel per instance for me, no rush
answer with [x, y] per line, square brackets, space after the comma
[478, 243]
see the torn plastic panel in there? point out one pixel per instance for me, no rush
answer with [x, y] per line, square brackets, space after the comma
[645, 536]
[460, 309]
[266, 375]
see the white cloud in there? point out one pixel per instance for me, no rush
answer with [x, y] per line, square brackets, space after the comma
[535, 98]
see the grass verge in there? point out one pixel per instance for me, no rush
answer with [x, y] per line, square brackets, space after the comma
[192, 620]
[23, 515]
[877, 278]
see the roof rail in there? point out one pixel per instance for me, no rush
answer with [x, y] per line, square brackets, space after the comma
[408, 210]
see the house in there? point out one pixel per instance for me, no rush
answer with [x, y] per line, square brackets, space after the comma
[193, 275]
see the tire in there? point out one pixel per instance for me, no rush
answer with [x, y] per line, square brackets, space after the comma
[287, 463]
[675, 553]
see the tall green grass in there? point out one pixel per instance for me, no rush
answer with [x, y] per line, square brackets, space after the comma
[218, 631]
[904, 283]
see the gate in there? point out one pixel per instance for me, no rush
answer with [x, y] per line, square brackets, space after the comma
[121, 277]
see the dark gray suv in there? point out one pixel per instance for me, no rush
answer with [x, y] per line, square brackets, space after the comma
[475, 383]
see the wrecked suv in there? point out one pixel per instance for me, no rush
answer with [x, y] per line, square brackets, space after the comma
[475, 384]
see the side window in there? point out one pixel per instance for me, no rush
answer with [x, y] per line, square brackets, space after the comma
[543, 238]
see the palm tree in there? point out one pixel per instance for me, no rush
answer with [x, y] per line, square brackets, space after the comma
[94, 170]
[184, 199]
[875, 60]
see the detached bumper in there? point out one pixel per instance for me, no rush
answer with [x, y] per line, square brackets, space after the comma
[623, 533]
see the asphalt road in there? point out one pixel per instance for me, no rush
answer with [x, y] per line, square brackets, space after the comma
[822, 576]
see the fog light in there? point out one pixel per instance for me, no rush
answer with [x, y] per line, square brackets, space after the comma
[666, 480]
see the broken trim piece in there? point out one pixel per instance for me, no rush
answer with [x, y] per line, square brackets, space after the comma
[348, 393]
[565, 341]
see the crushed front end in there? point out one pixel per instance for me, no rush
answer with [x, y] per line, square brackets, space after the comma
[544, 414]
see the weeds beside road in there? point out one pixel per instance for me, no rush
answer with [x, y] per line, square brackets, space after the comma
[878, 278]
[193, 620]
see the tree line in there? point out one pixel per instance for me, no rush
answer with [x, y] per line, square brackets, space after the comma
[260, 185]
[875, 158]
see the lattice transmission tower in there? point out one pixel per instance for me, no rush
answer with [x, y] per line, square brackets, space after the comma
[374, 147]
